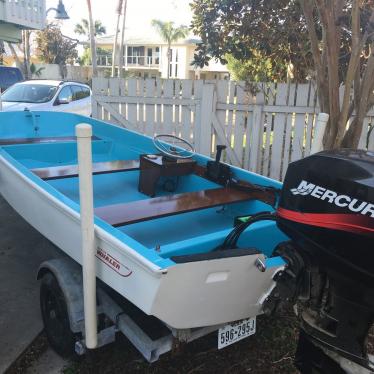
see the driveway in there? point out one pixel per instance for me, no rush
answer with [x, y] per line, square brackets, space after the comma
[22, 249]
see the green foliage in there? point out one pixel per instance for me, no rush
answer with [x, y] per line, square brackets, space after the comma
[250, 31]
[168, 32]
[53, 48]
[83, 28]
[258, 68]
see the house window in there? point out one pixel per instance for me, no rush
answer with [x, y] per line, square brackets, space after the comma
[135, 55]
[171, 64]
[157, 55]
[149, 56]
[173, 67]
[176, 63]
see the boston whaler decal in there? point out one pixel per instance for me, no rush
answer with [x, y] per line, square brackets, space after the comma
[342, 201]
[109, 260]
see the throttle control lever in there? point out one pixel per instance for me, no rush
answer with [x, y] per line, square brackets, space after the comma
[218, 171]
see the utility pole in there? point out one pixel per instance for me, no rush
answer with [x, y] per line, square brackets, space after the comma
[122, 46]
[115, 43]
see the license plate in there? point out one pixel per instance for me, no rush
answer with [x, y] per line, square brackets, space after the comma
[236, 331]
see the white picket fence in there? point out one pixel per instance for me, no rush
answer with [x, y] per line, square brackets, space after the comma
[263, 132]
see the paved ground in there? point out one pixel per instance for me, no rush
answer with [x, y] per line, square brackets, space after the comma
[49, 363]
[22, 249]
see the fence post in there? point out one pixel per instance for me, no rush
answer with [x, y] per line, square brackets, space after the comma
[255, 144]
[203, 127]
[94, 103]
[319, 130]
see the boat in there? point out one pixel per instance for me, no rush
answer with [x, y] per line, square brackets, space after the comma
[160, 221]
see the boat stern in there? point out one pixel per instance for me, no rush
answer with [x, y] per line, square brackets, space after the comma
[216, 290]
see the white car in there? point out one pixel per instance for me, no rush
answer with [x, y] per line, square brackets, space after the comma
[51, 95]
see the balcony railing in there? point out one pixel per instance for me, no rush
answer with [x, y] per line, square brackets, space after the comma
[131, 61]
[142, 61]
[25, 13]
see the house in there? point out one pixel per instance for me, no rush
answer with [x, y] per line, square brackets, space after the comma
[16, 15]
[146, 56]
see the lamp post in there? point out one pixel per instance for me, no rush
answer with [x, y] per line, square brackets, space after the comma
[60, 11]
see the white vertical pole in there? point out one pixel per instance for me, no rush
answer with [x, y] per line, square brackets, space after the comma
[319, 131]
[121, 49]
[84, 132]
[203, 127]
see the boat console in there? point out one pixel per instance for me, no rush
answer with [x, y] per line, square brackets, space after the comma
[154, 166]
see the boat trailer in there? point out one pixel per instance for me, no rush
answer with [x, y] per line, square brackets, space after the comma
[112, 316]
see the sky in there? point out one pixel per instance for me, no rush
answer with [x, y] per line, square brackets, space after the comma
[138, 17]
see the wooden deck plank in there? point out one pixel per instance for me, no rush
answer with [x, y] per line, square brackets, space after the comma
[47, 139]
[144, 210]
[70, 171]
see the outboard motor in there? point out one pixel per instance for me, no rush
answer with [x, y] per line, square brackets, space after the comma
[326, 208]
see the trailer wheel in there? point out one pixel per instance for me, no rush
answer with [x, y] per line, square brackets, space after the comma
[55, 316]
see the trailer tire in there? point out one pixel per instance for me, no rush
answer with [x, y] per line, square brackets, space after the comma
[55, 316]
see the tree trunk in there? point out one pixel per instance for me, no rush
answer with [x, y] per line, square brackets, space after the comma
[115, 42]
[122, 47]
[328, 17]
[169, 61]
[364, 102]
[325, 54]
[15, 56]
[26, 53]
[92, 40]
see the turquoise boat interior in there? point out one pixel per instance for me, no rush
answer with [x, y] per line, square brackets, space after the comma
[43, 142]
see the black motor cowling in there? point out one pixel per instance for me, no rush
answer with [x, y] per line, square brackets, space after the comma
[327, 210]
[327, 203]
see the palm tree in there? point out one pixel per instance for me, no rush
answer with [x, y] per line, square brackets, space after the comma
[83, 28]
[169, 34]
[92, 39]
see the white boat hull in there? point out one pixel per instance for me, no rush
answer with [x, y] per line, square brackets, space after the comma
[187, 295]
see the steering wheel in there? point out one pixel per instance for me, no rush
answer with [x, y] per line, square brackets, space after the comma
[173, 146]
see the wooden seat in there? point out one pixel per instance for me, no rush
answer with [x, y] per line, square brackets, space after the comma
[143, 210]
[70, 171]
[48, 139]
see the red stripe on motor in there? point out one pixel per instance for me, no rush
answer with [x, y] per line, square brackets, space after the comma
[356, 223]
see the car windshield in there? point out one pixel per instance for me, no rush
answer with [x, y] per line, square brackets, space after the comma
[29, 93]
